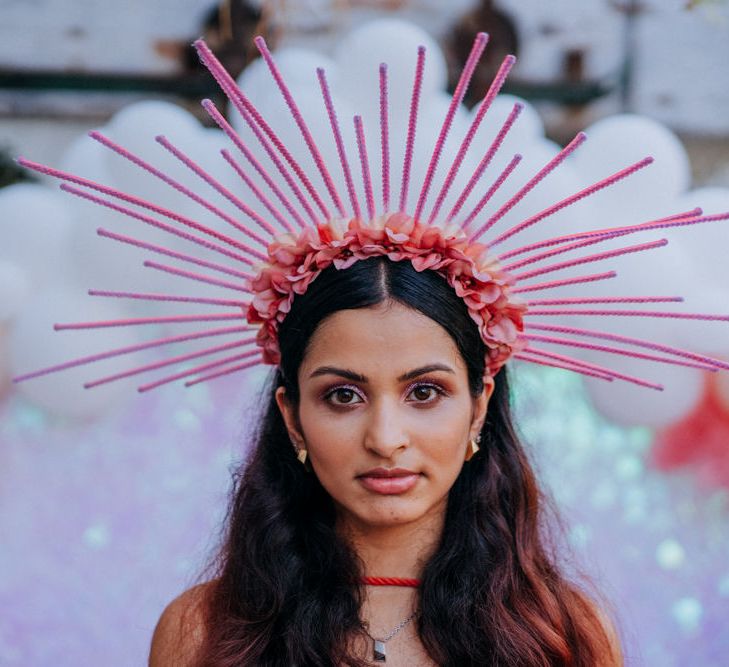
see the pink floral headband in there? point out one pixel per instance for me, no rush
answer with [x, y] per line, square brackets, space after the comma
[295, 261]
[307, 229]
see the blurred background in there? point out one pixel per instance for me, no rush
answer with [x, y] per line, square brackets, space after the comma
[111, 501]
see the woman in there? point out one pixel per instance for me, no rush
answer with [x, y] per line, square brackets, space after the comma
[381, 382]
[386, 449]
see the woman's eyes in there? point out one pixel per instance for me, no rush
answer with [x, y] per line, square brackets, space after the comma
[425, 393]
[343, 396]
[422, 393]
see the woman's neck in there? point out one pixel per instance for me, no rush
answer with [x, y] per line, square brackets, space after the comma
[399, 550]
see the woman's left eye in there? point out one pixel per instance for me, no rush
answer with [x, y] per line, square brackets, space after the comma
[425, 393]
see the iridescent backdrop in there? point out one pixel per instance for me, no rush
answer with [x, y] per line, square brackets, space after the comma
[102, 524]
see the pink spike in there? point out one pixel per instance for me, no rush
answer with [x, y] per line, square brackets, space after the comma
[492, 190]
[641, 247]
[604, 299]
[257, 192]
[560, 250]
[573, 361]
[168, 340]
[196, 276]
[197, 369]
[485, 160]
[254, 120]
[171, 253]
[586, 192]
[130, 322]
[485, 105]
[384, 139]
[581, 363]
[168, 362]
[673, 221]
[600, 369]
[366, 178]
[332, 113]
[227, 371]
[687, 218]
[235, 138]
[634, 313]
[144, 204]
[160, 225]
[412, 126]
[561, 283]
[554, 328]
[479, 45]
[541, 174]
[616, 350]
[168, 297]
[217, 185]
[524, 356]
[171, 181]
[298, 117]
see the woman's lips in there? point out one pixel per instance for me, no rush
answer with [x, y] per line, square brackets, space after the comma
[389, 482]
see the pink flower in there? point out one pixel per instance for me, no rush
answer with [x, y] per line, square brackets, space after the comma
[294, 261]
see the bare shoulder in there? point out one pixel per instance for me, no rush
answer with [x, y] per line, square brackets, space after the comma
[180, 629]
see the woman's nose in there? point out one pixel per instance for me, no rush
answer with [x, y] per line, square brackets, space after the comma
[385, 433]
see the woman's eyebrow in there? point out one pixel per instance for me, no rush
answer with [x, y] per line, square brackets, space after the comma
[425, 369]
[357, 377]
[342, 372]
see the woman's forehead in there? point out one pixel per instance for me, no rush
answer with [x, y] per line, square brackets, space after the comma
[386, 339]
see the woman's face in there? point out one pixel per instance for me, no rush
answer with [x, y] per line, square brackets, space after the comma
[385, 413]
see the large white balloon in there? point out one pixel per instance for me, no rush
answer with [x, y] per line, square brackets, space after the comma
[616, 142]
[527, 129]
[298, 68]
[33, 345]
[15, 289]
[87, 158]
[36, 224]
[706, 244]
[631, 405]
[394, 42]
[135, 128]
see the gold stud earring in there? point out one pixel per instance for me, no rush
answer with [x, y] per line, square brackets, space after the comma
[472, 447]
[302, 455]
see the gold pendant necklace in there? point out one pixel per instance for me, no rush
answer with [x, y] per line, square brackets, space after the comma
[379, 653]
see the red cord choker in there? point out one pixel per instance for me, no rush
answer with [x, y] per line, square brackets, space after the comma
[390, 581]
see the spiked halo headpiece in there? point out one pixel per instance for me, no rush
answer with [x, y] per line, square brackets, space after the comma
[302, 234]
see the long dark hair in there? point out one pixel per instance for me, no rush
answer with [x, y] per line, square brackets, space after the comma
[285, 591]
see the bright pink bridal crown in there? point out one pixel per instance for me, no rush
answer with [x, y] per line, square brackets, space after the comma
[307, 228]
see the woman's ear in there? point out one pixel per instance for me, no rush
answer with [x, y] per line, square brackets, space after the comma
[480, 405]
[288, 412]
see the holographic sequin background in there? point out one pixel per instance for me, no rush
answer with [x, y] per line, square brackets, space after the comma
[102, 525]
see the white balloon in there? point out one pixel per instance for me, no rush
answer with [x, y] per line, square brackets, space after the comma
[312, 108]
[632, 405]
[527, 129]
[135, 128]
[37, 223]
[34, 345]
[616, 142]
[87, 158]
[394, 42]
[15, 289]
[298, 68]
[706, 243]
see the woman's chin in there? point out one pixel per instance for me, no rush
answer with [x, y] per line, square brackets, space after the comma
[389, 512]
